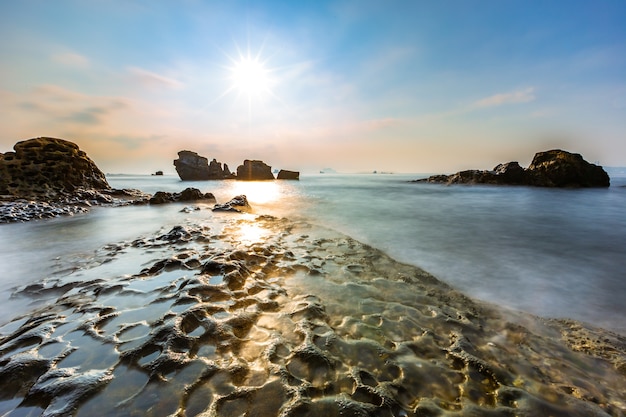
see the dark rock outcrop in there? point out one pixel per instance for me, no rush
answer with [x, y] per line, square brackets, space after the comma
[254, 171]
[558, 168]
[192, 167]
[554, 168]
[284, 174]
[47, 168]
[237, 204]
[188, 194]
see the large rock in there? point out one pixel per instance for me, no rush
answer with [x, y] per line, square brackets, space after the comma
[284, 174]
[554, 168]
[557, 168]
[188, 194]
[45, 168]
[254, 171]
[236, 204]
[192, 167]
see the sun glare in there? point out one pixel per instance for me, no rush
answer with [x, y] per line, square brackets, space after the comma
[250, 77]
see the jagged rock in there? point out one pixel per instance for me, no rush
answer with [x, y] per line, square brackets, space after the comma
[254, 171]
[554, 168]
[192, 167]
[510, 172]
[45, 168]
[284, 174]
[188, 194]
[162, 197]
[237, 204]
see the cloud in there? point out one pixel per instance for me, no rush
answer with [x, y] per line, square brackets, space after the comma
[58, 104]
[71, 59]
[96, 114]
[153, 80]
[520, 96]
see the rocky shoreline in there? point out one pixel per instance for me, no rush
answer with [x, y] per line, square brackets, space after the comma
[241, 314]
[49, 177]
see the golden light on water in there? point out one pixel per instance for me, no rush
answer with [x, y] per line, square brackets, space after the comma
[258, 192]
[251, 233]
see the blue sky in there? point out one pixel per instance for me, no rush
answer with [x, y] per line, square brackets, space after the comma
[404, 86]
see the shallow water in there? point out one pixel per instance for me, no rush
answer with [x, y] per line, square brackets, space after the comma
[238, 314]
[555, 253]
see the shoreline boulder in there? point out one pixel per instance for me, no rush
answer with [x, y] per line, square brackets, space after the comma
[188, 194]
[48, 168]
[237, 204]
[553, 168]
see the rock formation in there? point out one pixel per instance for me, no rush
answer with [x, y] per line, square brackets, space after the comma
[188, 194]
[558, 168]
[283, 174]
[237, 204]
[192, 167]
[45, 168]
[254, 171]
[554, 168]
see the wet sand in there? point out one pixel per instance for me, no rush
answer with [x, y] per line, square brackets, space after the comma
[235, 314]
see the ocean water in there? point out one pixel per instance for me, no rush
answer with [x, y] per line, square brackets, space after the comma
[553, 253]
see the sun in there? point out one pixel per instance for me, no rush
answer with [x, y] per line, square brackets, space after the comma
[250, 77]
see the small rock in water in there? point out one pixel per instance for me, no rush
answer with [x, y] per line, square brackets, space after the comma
[237, 204]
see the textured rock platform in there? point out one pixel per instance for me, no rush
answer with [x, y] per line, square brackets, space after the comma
[238, 314]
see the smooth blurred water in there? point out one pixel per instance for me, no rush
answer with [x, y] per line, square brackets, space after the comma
[556, 253]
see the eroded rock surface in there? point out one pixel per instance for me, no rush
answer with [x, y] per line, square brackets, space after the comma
[49, 177]
[46, 168]
[555, 168]
[264, 317]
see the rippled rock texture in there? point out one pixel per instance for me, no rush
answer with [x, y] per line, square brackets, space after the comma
[258, 316]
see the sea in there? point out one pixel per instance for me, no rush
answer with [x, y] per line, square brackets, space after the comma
[557, 253]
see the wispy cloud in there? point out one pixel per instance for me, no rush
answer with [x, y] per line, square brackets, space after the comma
[152, 79]
[59, 104]
[71, 59]
[519, 96]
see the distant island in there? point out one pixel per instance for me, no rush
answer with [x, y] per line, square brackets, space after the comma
[192, 167]
[553, 168]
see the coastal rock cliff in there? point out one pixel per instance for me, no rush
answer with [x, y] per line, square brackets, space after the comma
[554, 168]
[47, 168]
[192, 167]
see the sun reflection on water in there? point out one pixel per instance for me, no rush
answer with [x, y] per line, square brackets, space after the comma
[251, 233]
[260, 192]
